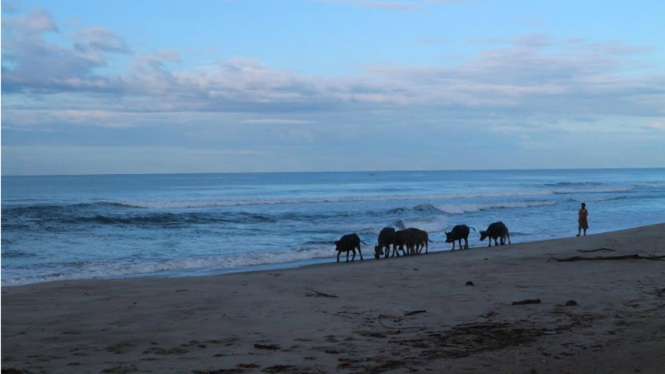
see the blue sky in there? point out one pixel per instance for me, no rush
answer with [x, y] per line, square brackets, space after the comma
[307, 85]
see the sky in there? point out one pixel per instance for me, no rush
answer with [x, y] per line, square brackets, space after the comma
[92, 87]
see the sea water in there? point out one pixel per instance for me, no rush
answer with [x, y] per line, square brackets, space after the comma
[108, 226]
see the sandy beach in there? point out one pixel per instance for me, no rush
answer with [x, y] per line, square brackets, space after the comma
[414, 314]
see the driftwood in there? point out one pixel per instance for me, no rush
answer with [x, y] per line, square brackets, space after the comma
[316, 293]
[604, 258]
[414, 312]
[525, 302]
[272, 347]
[596, 250]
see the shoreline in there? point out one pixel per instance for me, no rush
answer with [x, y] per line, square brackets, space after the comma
[368, 253]
[259, 320]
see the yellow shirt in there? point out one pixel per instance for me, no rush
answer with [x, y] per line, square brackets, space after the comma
[583, 215]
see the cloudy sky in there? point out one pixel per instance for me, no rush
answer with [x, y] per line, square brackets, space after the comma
[322, 85]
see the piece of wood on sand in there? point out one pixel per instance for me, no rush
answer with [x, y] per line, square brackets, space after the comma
[608, 258]
[525, 302]
[315, 293]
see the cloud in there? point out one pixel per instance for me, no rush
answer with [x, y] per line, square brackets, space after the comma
[10, 6]
[533, 40]
[31, 64]
[655, 125]
[98, 39]
[527, 74]
[32, 24]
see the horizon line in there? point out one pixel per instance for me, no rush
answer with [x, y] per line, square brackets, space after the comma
[320, 172]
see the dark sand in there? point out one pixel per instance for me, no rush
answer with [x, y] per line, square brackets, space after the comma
[270, 321]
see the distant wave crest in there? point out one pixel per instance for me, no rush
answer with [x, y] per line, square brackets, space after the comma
[608, 198]
[434, 224]
[472, 208]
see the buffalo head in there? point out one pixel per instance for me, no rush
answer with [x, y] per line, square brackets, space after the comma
[378, 252]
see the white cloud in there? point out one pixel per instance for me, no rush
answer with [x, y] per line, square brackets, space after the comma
[99, 39]
[526, 74]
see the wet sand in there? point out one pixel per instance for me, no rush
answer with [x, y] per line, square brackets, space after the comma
[277, 322]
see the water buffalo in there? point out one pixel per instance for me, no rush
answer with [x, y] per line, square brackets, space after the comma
[386, 239]
[495, 231]
[417, 240]
[349, 243]
[402, 240]
[458, 233]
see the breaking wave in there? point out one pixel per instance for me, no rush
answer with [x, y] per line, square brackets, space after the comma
[568, 184]
[472, 208]
[435, 224]
[605, 189]
[609, 198]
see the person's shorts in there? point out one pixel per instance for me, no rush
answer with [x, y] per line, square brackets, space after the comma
[583, 225]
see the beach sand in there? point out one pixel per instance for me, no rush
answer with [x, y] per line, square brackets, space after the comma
[274, 322]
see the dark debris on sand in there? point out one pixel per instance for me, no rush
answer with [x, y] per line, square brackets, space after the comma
[471, 338]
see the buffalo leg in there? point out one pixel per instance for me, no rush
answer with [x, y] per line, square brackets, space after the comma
[360, 252]
[466, 243]
[338, 253]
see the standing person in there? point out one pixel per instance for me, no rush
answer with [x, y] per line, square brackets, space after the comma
[583, 224]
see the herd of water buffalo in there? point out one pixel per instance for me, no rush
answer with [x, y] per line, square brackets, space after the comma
[411, 241]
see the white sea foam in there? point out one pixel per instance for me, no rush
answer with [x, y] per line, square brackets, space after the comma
[608, 198]
[183, 204]
[220, 203]
[652, 185]
[589, 190]
[472, 208]
[129, 269]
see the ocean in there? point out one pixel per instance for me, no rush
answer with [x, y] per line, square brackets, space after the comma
[116, 226]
